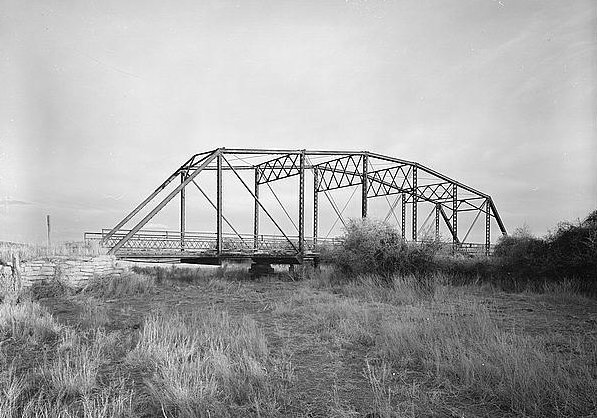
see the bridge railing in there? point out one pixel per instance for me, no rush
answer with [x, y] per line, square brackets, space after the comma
[148, 242]
[161, 242]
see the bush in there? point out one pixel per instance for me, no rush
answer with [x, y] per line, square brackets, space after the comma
[568, 253]
[374, 247]
[573, 249]
[522, 255]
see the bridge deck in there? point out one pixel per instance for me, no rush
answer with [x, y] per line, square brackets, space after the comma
[201, 247]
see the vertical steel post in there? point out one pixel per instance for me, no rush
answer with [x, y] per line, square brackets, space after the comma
[487, 226]
[437, 208]
[365, 186]
[302, 203]
[454, 215]
[182, 211]
[219, 204]
[403, 214]
[415, 199]
[315, 205]
[256, 212]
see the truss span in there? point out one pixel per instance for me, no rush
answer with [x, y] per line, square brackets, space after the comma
[452, 209]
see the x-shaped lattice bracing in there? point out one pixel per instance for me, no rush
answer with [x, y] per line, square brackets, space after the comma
[278, 168]
[438, 192]
[390, 181]
[339, 173]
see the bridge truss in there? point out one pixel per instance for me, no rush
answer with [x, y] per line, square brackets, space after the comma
[416, 190]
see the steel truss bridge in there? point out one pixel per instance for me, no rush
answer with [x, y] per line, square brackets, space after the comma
[451, 207]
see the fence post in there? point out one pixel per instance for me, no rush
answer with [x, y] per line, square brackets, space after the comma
[16, 274]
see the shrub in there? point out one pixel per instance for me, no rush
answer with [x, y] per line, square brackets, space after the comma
[522, 256]
[568, 253]
[573, 249]
[374, 247]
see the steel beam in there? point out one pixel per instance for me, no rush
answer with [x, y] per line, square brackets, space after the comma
[414, 198]
[219, 205]
[497, 217]
[487, 226]
[301, 204]
[403, 214]
[437, 208]
[256, 211]
[182, 212]
[454, 214]
[315, 205]
[364, 186]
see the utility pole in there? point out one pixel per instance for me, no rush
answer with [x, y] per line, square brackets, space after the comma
[48, 223]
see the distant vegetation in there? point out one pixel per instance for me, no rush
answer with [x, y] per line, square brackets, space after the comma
[569, 253]
[520, 261]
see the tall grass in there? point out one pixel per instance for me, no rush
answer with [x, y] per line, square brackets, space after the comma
[206, 364]
[61, 375]
[451, 340]
[126, 284]
[514, 372]
[27, 322]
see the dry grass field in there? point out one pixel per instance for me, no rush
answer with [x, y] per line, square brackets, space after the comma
[174, 342]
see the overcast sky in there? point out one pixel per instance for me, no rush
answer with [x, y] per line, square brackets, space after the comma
[100, 101]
